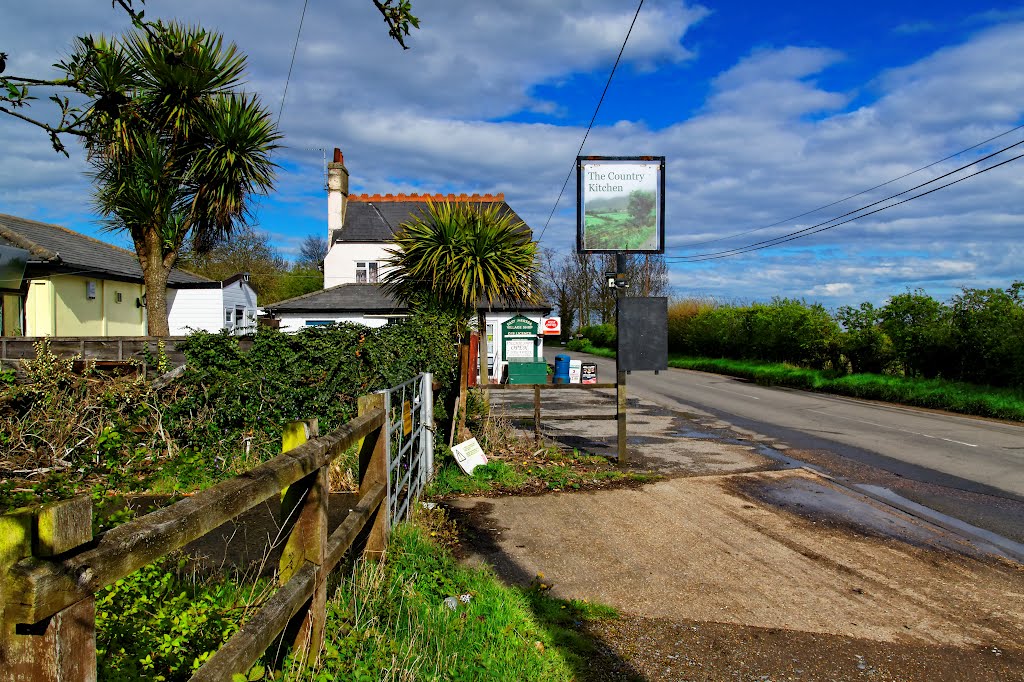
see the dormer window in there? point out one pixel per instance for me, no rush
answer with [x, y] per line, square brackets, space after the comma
[366, 272]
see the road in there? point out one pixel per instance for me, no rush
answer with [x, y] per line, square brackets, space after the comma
[968, 468]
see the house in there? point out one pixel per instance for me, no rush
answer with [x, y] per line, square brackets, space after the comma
[75, 285]
[360, 229]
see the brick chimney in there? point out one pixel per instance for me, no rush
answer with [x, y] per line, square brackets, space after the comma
[337, 194]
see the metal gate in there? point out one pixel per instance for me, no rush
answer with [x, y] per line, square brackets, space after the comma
[410, 443]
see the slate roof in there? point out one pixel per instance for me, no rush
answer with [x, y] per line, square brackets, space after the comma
[66, 251]
[370, 299]
[375, 217]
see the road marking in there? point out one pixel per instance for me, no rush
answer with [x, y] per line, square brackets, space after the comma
[725, 390]
[893, 428]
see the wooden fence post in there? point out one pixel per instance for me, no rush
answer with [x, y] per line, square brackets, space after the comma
[536, 413]
[61, 648]
[373, 469]
[304, 519]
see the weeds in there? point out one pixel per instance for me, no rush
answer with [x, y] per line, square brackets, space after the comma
[389, 621]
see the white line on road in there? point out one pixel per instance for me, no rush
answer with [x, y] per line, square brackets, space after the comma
[886, 426]
[725, 390]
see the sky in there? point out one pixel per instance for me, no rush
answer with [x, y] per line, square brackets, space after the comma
[764, 112]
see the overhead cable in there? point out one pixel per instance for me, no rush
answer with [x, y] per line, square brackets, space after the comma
[852, 196]
[821, 227]
[592, 119]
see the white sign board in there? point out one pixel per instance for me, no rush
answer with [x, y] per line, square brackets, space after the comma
[469, 455]
[551, 326]
[620, 204]
[519, 348]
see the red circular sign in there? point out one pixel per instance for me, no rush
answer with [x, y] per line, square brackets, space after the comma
[551, 324]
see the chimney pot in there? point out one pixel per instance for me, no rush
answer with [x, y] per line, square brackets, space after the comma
[338, 157]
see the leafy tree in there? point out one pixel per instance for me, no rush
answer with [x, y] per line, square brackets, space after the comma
[246, 251]
[865, 345]
[175, 150]
[917, 325]
[987, 329]
[641, 203]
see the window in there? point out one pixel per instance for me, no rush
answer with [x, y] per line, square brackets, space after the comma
[366, 272]
[319, 323]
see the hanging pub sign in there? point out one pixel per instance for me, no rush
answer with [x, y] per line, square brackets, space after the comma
[620, 204]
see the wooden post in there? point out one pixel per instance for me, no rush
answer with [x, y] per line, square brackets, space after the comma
[61, 648]
[620, 374]
[373, 469]
[304, 519]
[460, 422]
[536, 412]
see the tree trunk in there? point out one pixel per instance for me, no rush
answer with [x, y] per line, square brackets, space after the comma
[156, 270]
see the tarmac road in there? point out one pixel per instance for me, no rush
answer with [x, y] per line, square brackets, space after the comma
[968, 468]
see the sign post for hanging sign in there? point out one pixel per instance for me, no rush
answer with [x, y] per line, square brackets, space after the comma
[620, 209]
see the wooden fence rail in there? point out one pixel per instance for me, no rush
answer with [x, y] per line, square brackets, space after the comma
[537, 388]
[51, 567]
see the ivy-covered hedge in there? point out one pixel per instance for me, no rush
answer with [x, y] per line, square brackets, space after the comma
[64, 433]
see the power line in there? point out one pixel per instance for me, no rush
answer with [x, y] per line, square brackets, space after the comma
[821, 227]
[852, 196]
[291, 65]
[858, 210]
[592, 119]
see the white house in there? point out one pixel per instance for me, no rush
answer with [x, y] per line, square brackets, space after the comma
[360, 228]
[213, 306]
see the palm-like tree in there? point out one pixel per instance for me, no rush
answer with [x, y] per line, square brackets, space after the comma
[176, 151]
[461, 257]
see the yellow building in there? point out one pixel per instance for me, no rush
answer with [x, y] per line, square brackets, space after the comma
[75, 285]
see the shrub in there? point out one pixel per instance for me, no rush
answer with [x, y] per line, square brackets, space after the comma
[601, 335]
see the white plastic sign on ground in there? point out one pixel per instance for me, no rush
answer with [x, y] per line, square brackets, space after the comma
[469, 455]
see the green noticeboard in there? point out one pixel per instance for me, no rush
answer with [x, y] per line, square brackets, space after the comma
[519, 340]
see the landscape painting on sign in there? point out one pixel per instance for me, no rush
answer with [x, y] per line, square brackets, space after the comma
[620, 205]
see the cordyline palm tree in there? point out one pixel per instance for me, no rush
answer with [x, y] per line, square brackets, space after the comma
[175, 150]
[461, 257]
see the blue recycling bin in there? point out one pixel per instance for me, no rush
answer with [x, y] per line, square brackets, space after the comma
[561, 369]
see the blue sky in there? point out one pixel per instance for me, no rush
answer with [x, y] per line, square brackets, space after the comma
[763, 111]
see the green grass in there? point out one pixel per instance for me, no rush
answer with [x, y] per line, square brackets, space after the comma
[389, 622]
[584, 346]
[616, 231]
[932, 393]
[552, 469]
[939, 394]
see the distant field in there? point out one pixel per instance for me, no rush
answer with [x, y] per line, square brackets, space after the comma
[613, 231]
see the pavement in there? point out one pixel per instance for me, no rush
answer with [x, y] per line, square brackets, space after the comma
[743, 534]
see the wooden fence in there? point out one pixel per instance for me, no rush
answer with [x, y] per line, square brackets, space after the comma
[102, 348]
[51, 567]
[620, 413]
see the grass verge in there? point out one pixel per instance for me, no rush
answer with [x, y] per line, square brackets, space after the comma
[390, 621]
[517, 466]
[939, 394]
[954, 396]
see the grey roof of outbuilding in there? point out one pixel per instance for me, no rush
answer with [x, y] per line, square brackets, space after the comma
[60, 247]
[371, 299]
[371, 221]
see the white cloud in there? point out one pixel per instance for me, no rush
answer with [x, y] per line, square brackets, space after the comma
[769, 141]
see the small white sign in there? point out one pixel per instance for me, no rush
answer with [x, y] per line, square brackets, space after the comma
[552, 326]
[575, 371]
[520, 348]
[469, 455]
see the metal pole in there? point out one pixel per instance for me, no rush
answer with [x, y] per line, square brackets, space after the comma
[620, 374]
